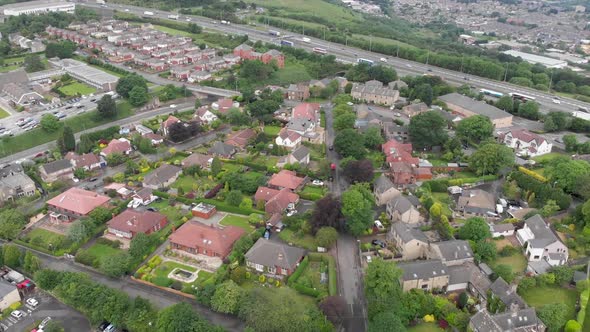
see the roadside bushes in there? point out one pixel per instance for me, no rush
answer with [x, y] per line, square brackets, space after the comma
[542, 191]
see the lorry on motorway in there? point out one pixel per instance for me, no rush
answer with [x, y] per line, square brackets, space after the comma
[173, 17]
[581, 115]
[148, 13]
[287, 43]
[225, 22]
[274, 33]
[366, 61]
[320, 50]
[306, 40]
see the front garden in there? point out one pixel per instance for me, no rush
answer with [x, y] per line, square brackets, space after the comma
[158, 272]
[315, 276]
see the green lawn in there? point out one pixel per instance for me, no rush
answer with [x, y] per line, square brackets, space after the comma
[102, 250]
[77, 88]
[311, 276]
[539, 296]
[425, 327]
[88, 120]
[165, 268]
[272, 130]
[233, 220]
[517, 261]
[171, 212]
[309, 189]
[199, 185]
[3, 114]
[291, 73]
[42, 238]
[548, 157]
[307, 241]
[5, 69]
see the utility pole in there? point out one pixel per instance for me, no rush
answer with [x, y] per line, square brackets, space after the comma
[505, 73]
[427, 57]
[370, 43]
[462, 57]
[551, 80]
[397, 52]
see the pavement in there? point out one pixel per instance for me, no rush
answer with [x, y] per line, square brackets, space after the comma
[70, 319]
[158, 297]
[347, 54]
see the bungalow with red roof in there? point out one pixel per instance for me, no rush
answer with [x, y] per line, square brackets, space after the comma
[286, 179]
[525, 143]
[74, 203]
[404, 168]
[275, 201]
[87, 161]
[165, 125]
[223, 105]
[197, 238]
[205, 115]
[155, 139]
[241, 138]
[288, 139]
[130, 222]
[121, 145]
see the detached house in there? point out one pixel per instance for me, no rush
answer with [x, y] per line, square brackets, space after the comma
[477, 202]
[205, 115]
[242, 138]
[165, 125]
[411, 242]
[222, 150]
[162, 176]
[197, 238]
[288, 139]
[130, 222]
[286, 179]
[404, 168]
[270, 257]
[541, 244]
[74, 203]
[275, 201]
[121, 146]
[223, 105]
[197, 159]
[298, 92]
[525, 143]
[87, 161]
[299, 155]
[15, 183]
[57, 170]
[401, 209]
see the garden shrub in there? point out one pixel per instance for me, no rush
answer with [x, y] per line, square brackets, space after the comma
[162, 281]
[302, 266]
[305, 290]
[86, 258]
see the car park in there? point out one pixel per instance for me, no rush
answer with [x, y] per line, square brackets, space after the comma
[32, 302]
[17, 314]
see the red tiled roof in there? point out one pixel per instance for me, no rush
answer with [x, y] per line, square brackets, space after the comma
[286, 179]
[525, 136]
[398, 152]
[154, 137]
[197, 235]
[241, 138]
[170, 121]
[281, 201]
[136, 221]
[225, 103]
[117, 146]
[265, 194]
[306, 111]
[86, 159]
[289, 134]
[78, 200]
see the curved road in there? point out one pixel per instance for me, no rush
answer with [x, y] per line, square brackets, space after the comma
[350, 55]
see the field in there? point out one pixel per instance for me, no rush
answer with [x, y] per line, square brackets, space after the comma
[291, 73]
[77, 88]
[321, 9]
[233, 220]
[3, 114]
[30, 139]
[537, 297]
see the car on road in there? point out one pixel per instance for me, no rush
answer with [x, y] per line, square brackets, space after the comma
[103, 326]
[17, 314]
[428, 69]
[331, 147]
[317, 183]
[379, 243]
[383, 60]
[408, 65]
[93, 179]
[173, 106]
[556, 101]
[75, 179]
[466, 78]
[397, 114]
[188, 19]
[369, 259]
[126, 9]
[110, 328]
[32, 302]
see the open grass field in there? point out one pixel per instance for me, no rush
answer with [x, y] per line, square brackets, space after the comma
[38, 136]
[77, 88]
[425, 327]
[3, 114]
[101, 250]
[322, 9]
[175, 32]
[291, 73]
[539, 296]
[233, 220]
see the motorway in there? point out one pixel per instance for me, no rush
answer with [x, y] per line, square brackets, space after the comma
[19, 156]
[350, 55]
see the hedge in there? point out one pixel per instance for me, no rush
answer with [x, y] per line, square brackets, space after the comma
[533, 174]
[305, 290]
[584, 297]
[328, 259]
[543, 191]
[302, 266]
[310, 196]
[441, 185]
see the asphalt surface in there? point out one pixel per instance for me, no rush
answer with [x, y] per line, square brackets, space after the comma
[134, 118]
[159, 298]
[349, 54]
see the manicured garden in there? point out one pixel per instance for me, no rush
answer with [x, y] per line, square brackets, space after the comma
[157, 270]
[42, 238]
[537, 297]
[235, 220]
[102, 250]
[517, 261]
[313, 193]
[272, 130]
[76, 88]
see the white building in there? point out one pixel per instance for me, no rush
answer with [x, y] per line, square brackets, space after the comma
[534, 59]
[540, 243]
[288, 138]
[526, 143]
[39, 7]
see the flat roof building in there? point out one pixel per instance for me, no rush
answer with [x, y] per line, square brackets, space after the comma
[89, 75]
[534, 59]
[466, 107]
[38, 7]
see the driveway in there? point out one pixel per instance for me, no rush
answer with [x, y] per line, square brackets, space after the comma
[70, 319]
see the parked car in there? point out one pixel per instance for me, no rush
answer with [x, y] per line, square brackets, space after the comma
[17, 314]
[152, 209]
[103, 325]
[44, 322]
[317, 182]
[32, 302]
[331, 147]
[556, 101]
[379, 243]
[291, 213]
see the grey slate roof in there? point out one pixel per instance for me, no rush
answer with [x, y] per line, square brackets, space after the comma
[506, 294]
[541, 231]
[222, 149]
[162, 174]
[56, 166]
[454, 250]
[407, 233]
[10, 169]
[6, 288]
[300, 153]
[383, 184]
[423, 269]
[475, 106]
[482, 321]
[518, 321]
[400, 204]
[18, 77]
[271, 253]
[459, 274]
[502, 227]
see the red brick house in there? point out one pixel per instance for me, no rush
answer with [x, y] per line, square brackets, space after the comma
[268, 256]
[204, 211]
[130, 222]
[246, 52]
[197, 238]
[275, 201]
[74, 203]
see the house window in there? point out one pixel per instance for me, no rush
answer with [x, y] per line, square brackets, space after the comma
[272, 269]
[536, 257]
[424, 286]
[259, 267]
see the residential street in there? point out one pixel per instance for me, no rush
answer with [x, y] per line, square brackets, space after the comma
[350, 277]
[160, 298]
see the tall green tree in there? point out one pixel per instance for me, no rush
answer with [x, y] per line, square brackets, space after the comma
[12, 222]
[349, 143]
[474, 229]
[106, 107]
[475, 129]
[427, 130]
[490, 158]
[215, 166]
[382, 288]
[12, 255]
[50, 123]
[357, 208]
[373, 138]
[227, 297]
[386, 322]
[128, 82]
[68, 139]
[33, 63]
[554, 315]
[424, 93]
[505, 103]
[565, 172]
[138, 96]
